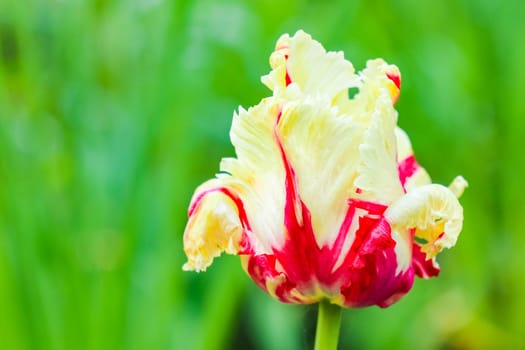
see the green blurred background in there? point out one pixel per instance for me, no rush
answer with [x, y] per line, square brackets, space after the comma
[111, 113]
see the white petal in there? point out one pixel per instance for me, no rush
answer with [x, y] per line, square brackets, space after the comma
[323, 149]
[257, 174]
[404, 147]
[378, 175]
[308, 65]
[373, 82]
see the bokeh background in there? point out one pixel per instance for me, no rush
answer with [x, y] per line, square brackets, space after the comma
[112, 112]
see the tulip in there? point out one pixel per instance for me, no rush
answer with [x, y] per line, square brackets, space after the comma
[325, 201]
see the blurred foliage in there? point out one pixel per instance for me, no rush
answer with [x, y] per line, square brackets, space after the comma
[111, 113]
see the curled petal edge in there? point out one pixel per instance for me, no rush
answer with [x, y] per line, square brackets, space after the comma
[213, 227]
[435, 214]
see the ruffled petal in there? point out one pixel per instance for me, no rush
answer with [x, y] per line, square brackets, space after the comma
[324, 199]
[372, 276]
[303, 63]
[379, 74]
[435, 213]
[377, 80]
[378, 179]
[257, 175]
[214, 227]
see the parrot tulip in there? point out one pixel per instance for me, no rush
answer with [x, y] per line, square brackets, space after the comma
[325, 199]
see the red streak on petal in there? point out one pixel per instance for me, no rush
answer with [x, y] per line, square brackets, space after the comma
[407, 168]
[197, 201]
[298, 256]
[278, 117]
[366, 226]
[371, 267]
[422, 267]
[396, 79]
[261, 267]
[283, 292]
[238, 203]
[287, 78]
[371, 207]
[245, 244]
[353, 204]
[343, 231]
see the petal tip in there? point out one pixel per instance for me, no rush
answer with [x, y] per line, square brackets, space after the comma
[458, 186]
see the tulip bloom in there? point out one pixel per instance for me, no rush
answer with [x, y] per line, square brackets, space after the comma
[325, 200]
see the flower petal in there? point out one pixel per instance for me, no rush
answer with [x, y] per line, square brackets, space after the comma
[378, 178]
[411, 174]
[372, 276]
[325, 199]
[458, 185]
[267, 273]
[257, 175]
[302, 61]
[383, 75]
[214, 227]
[375, 81]
[423, 267]
[322, 147]
[434, 211]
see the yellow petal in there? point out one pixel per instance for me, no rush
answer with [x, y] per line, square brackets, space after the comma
[434, 211]
[213, 227]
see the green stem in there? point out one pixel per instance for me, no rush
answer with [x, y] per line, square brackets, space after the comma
[328, 324]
